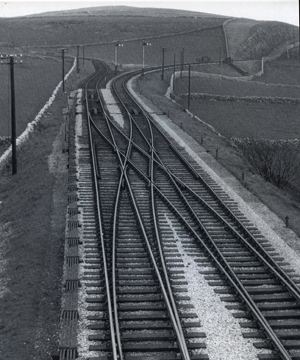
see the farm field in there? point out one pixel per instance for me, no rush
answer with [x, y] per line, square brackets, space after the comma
[35, 81]
[233, 119]
[245, 119]
[282, 71]
[232, 87]
[282, 202]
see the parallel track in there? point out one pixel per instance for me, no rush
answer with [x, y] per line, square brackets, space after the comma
[142, 172]
[143, 319]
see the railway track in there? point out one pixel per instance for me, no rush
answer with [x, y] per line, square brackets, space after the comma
[139, 175]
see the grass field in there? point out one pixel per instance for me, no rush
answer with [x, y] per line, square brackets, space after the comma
[282, 71]
[209, 43]
[249, 39]
[232, 119]
[282, 202]
[35, 80]
[78, 29]
[233, 87]
[243, 119]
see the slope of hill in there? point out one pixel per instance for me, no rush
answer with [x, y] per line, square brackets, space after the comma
[125, 11]
[63, 30]
[250, 39]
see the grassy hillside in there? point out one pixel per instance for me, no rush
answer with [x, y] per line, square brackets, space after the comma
[207, 42]
[35, 80]
[243, 118]
[232, 87]
[240, 119]
[125, 11]
[98, 28]
[282, 71]
[249, 39]
[67, 30]
[46, 33]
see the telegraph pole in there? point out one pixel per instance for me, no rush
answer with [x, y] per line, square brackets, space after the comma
[182, 62]
[174, 63]
[298, 29]
[83, 55]
[189, 88]
[10, 59]
[144, 44]
[163, 64]
[63, 68]
[77, 59]
[13, 116]
[117, 45]
[174, 71]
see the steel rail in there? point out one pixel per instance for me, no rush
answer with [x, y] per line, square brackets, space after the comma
[222, 265]
[255, 309]
[170, 302]
[274, 268]
[181, 337]
[114, 239]
[159, 244]
[99, 221]
[289, 282]
[280, 273]
[255, 247]
[242, 291]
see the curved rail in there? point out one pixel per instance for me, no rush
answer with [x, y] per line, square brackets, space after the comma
[99, 221]
[167, 293]
[215, 254]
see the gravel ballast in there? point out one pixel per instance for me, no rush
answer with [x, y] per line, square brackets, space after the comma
[268, 223]
[228, 343]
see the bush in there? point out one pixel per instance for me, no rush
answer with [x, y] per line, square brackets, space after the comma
[277, 161]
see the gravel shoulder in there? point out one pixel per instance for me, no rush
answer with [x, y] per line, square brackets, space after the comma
[266, 204]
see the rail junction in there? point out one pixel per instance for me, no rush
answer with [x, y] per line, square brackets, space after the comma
[135, 303]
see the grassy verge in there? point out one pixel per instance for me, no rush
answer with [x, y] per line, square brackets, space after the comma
[235, 88]
[242, 119]
[33, 214]
[35, 79]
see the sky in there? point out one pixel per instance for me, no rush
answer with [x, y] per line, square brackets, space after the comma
[281, 10]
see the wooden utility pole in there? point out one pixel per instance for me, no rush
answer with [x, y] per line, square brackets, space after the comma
[13, 117]
[174, 71]
[10, 60]
[83, 55]
[182, 62]
[77, 59]
[298, 28]
[189, 88]
[63, 69]
[144, 44]
[174, 63]
[163, 64]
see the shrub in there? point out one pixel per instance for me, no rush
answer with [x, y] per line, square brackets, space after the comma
[277, 161]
